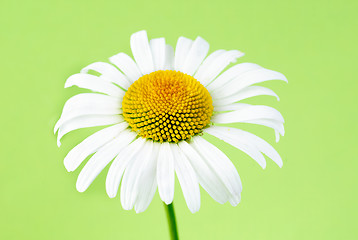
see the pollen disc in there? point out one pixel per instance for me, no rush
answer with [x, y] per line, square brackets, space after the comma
[167, 106]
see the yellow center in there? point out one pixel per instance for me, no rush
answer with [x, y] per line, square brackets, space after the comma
[167, 106]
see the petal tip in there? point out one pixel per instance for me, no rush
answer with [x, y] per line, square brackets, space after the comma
[68, 84]
[57, 125]
[195, 209]
[80, 188]
[235, 200]
[141, 32]
[139, 209]
[284, 78]
[68, 167]
[111, 195]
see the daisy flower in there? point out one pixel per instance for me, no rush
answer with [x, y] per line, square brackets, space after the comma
[158, 106]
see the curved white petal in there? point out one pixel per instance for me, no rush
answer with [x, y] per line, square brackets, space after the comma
[231, 107]
[198, 51]
[91, 144]
[169, 57]
[207, 176]
[237, 142]
[181, 52]
[88, 104]
[147, 182]
[101, 158]
[187, 179]
[119, 164]
[165, 173]
[109, 73]
[207, 63]
[276, 125]
[93, 83]
[126, 64]
[248, 113]
[223, 167]
[277, 136]
[230, 74]
[85, 122]
[247, 79]
[157, 47]
[129, 187]
[252, 140]
[141, 52]
[253, 91]
[248, 92]
[214, 64]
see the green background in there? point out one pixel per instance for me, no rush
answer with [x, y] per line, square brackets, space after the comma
[314, 43]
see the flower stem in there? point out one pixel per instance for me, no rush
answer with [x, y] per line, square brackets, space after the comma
[171, 221]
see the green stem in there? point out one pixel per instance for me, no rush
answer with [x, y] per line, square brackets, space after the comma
[171, 221]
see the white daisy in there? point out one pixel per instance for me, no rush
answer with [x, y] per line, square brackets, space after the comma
[159, 105]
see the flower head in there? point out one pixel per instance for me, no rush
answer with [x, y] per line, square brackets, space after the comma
[159, 105]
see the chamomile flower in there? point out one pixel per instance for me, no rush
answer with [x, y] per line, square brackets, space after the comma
[158, 106]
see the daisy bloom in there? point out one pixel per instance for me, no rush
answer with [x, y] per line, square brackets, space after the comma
[158, 106]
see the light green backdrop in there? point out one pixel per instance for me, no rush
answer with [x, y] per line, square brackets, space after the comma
[314, 43]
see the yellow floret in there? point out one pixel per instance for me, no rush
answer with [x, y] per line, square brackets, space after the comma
[167, 106]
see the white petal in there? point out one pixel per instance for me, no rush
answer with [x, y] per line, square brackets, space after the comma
[207, 176]
[195, 56]
[109, 73]
[141, 52]
[147, 183]
[126, 64]
[247, 79]
[169, 57]
[222, 165]
[157, 47]
[93, 83]
[251, 91]
[91, 144]
[101, 158]
[85, 122]
[207, 63]
[181, 52]
[88, 104]
[187, 179]
[230, 74]
[165, 173]
[255, 141]
[214, 64]
[119, 164]
[129, 187]
[238, 142]
[276, 125]
[231, 107]
[248, 113]
[277, 136]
